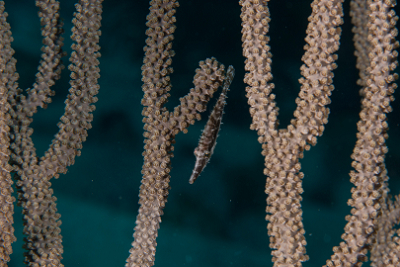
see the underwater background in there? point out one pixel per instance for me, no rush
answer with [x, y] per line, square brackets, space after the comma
[219, 220]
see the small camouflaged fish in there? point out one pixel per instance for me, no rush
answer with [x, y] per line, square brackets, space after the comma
[208, 139]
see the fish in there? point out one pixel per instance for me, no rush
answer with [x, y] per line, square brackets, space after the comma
[208, 139]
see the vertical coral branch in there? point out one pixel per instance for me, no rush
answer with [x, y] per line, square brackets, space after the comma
[41, 220]
[6, 200]
[161, 126]
[374, 36]
[283, 148]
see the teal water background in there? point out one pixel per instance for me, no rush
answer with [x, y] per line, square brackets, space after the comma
[219, 220]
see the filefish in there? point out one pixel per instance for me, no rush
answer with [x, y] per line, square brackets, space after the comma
[208, 139]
